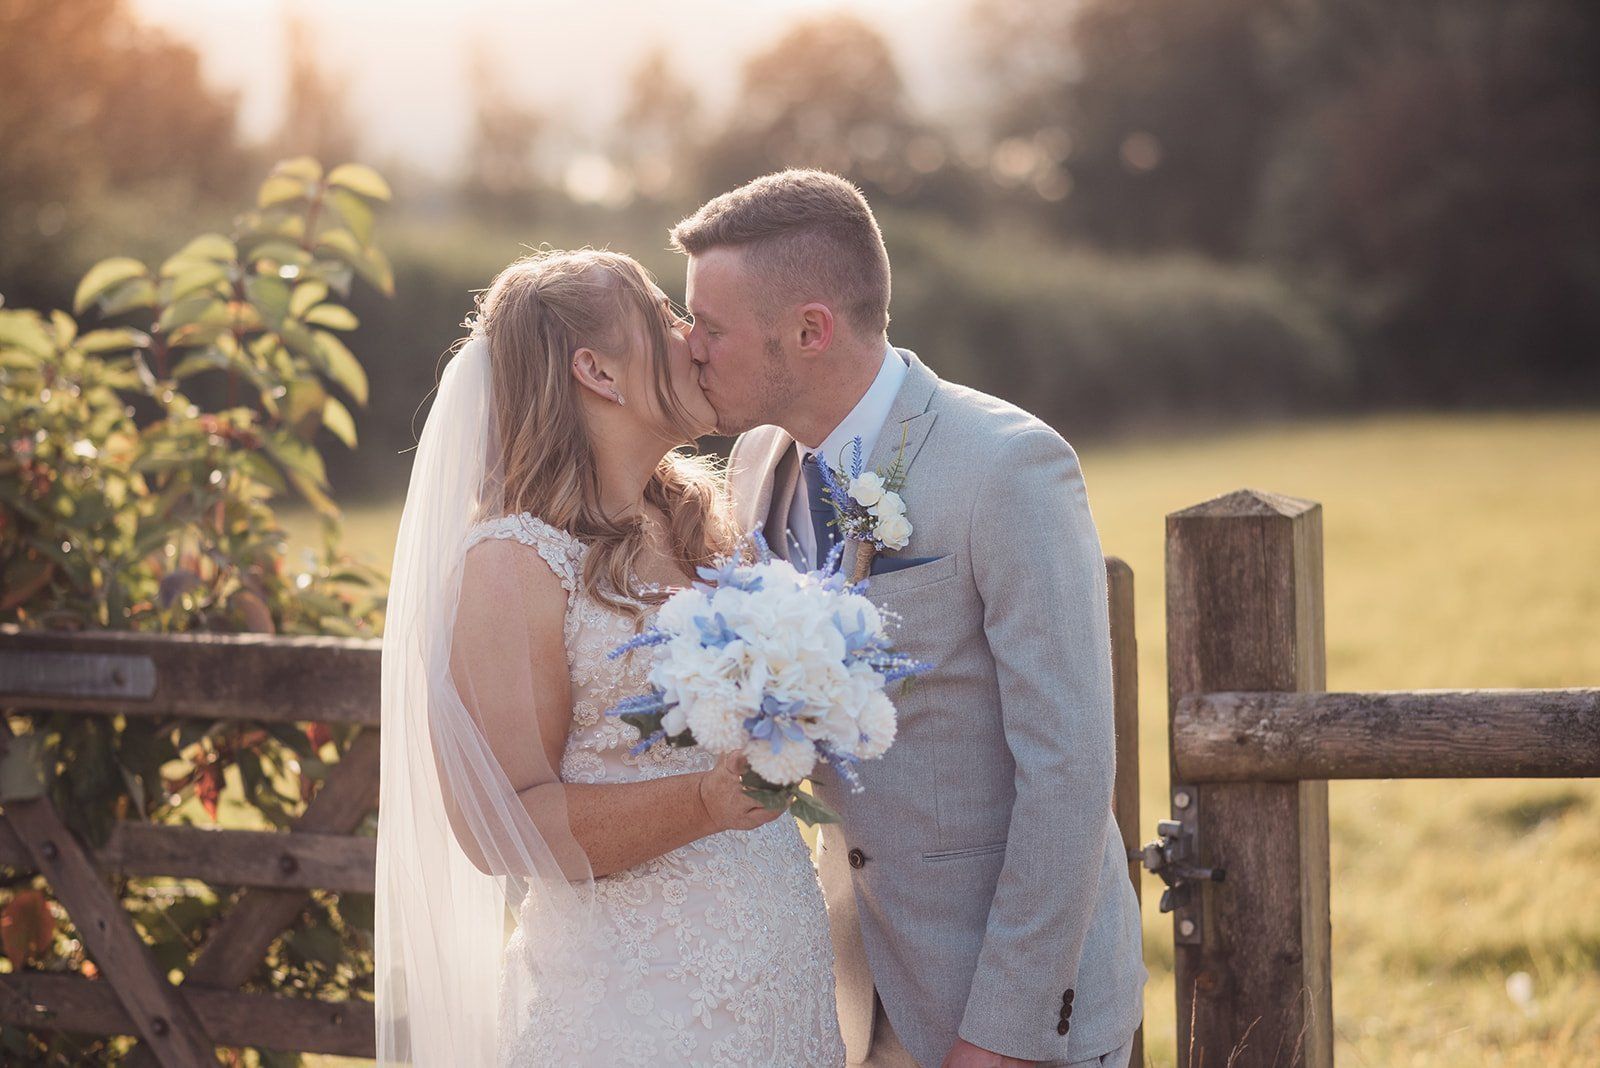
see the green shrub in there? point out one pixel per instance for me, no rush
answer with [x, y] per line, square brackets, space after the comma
[143, 460]
[1093, 343]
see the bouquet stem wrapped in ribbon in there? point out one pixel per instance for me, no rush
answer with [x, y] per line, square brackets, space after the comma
[788, 667]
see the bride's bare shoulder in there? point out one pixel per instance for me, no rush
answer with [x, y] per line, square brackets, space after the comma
[495, 543]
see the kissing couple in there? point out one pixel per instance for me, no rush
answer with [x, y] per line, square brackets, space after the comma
[553, 891]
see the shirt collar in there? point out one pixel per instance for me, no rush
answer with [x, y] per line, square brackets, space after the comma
[867, 417]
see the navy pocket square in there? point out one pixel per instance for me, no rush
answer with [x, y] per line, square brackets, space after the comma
[883, 565]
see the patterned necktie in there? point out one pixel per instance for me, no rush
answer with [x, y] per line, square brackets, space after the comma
[821, 509]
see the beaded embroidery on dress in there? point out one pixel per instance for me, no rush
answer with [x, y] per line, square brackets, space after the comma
[719, 949]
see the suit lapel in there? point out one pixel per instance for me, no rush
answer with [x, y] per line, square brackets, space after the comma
[763, 481]
[909, 422]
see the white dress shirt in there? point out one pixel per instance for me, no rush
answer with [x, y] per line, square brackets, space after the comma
[866, 421]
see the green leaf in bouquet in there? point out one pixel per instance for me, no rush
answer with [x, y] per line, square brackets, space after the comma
[104, 275]
[809, 810]
[771, 798]
[646, 723]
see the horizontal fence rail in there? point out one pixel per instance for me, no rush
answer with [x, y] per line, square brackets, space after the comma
[284, 861]
[208, 676]
[72, 1003]
[1271, 736]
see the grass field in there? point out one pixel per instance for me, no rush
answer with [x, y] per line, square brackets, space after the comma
[1460, 552]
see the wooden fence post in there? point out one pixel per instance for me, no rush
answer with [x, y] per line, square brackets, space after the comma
[1125, 699]
[1245, 612]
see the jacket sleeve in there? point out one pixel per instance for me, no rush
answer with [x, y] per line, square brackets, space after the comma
[1038, 566]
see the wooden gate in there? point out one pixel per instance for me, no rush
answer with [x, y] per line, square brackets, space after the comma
[1254, 741]
[215, 678]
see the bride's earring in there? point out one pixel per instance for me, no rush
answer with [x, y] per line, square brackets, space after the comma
[618, 397]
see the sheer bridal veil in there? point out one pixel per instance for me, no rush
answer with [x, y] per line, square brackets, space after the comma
[462, 850]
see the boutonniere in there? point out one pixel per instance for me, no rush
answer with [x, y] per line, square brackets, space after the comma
[867, 505]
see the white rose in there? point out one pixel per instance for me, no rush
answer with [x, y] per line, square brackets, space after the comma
[867, 489]
[894, 531]
[889, 504]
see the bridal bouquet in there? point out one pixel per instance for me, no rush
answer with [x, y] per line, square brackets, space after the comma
[788, 667]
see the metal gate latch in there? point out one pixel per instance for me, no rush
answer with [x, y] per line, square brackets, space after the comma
[1171, 857]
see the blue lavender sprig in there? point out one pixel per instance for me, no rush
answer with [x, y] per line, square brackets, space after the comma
[642, 640]
[844, 764]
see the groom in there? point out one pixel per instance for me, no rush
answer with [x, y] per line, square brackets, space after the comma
[977, 891]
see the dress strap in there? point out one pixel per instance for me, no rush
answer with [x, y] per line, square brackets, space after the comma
[561, 550]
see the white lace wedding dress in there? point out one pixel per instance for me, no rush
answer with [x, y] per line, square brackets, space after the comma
[719, 950]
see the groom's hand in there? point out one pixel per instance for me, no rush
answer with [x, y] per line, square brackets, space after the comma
[965, 1055]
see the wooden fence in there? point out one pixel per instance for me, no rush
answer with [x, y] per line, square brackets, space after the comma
[332, 680]
[1254, 740]
[215, 678]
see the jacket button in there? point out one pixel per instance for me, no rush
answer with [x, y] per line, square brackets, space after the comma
[1063, 1027]
[858, 859]
[1068, 996]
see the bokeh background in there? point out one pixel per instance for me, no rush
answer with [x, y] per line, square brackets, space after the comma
[1342, 249]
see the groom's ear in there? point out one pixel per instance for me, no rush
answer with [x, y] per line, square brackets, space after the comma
[816, 328]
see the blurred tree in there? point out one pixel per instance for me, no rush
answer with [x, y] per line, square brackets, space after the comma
[659, 132]
[826, 94]
[501, 172]
[1158, 110]
[1440, 163]
[316, 111]
[91, 102]
[1430, 169]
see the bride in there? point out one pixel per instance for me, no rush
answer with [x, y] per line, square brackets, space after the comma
[656, 914]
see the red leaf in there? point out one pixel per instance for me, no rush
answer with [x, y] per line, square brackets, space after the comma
[208, 787]
[319, 734]
[27, 928]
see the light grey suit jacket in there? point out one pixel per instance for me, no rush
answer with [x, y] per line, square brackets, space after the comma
[978, 881]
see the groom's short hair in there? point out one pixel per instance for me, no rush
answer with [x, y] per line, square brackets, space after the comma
[808, 234]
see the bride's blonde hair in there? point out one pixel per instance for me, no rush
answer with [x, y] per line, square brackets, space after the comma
[535, 314]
